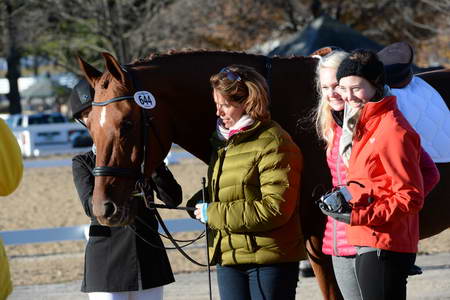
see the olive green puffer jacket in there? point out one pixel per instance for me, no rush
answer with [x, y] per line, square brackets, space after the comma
[254, 180]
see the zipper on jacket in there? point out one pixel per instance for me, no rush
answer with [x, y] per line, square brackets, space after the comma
[218, 173]
[335, 250]
[339, 178]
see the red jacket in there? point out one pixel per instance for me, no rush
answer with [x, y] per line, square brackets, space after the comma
[335, 236]
[385, 161]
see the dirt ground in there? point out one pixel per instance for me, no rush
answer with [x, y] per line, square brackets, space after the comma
[47, 198]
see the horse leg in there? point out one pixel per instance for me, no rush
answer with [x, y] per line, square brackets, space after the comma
[323, 269]
[313, 226]
[313, 221]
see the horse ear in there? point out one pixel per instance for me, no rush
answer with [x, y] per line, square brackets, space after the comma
[115, 68]
[91, 73]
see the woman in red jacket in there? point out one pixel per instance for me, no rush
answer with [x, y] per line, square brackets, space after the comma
[329, 122]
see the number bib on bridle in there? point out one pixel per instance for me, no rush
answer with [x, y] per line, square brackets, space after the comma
[145, 99]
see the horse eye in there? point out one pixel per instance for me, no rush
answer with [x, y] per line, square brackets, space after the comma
[125, 126]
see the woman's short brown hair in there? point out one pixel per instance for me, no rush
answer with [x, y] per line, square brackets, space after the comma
[243, 84]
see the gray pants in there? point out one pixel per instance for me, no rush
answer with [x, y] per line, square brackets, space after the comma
[345, 272]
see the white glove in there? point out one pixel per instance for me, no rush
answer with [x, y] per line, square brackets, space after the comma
[201, 212]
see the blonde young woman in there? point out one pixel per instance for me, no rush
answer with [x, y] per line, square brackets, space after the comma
[254, 180]
[328, 120]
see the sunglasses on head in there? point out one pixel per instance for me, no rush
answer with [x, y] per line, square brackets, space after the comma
[232, 76]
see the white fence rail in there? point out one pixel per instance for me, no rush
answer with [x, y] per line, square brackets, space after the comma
[76, 233]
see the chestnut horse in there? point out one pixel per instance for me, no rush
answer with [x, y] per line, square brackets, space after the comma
[183, 112]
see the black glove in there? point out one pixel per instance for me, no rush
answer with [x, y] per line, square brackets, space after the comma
[335, 204]
[341, 217]
[166, 187]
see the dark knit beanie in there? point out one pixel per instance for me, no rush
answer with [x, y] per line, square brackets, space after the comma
[363, 63]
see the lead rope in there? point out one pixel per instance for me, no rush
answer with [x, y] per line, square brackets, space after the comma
[134, 230]
[152, 206]
[163, 226]
[207, 238]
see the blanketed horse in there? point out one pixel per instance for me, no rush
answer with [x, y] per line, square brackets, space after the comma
[183, 112]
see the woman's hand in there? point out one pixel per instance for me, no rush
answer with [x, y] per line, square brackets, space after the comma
[335, 205]
[201, 212]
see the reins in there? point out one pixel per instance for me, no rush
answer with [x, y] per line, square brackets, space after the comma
[153, 206]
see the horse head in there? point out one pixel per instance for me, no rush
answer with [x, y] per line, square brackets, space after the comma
[126, 126]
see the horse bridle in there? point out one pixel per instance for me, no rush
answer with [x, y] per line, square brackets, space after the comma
[140, 183]
[125, 172]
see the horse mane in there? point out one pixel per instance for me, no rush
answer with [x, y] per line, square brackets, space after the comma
[156, 56]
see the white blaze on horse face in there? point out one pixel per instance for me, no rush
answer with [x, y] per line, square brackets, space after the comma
[103, 117]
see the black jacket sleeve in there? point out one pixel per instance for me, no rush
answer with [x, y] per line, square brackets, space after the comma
[83, 179]
[167, 188]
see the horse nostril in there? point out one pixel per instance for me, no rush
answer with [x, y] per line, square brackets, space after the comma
[110, 209]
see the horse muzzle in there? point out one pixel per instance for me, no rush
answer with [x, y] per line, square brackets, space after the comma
[109, 214]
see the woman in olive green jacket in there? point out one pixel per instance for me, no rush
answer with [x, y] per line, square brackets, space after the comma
[254, 179]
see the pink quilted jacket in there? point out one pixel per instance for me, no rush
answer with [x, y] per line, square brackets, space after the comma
[334, 239]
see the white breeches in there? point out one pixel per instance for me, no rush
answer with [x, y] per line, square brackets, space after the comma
[149, 294]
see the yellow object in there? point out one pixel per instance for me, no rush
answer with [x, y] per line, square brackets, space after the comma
[5, 277]
[11, 165]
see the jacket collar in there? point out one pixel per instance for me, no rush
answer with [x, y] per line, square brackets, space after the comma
[238, 137]
[373, 109]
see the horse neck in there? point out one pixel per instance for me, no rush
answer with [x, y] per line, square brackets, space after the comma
[181, 84]
[439, 81]
[184, 100]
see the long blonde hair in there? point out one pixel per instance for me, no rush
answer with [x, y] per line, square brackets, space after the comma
[322, 116]
[245, 85]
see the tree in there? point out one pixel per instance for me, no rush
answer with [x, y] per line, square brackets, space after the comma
[16, 19]
[418, 22]
[132, 29]
[240, 24]
[88, 27]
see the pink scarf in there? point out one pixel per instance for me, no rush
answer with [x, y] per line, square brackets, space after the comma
[244, 123]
